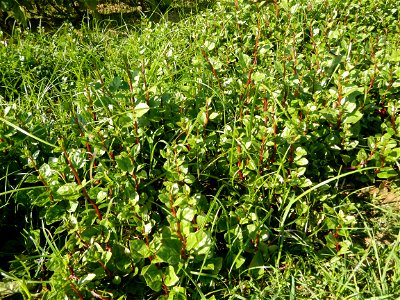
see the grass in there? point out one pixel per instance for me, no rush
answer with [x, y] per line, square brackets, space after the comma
[250, 151]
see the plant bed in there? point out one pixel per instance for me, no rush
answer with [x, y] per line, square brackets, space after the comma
[224, 155]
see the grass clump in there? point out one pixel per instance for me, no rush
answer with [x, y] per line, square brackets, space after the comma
[225, 155]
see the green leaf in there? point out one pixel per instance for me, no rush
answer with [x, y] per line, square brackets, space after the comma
[55, 263]
[95, 253]
[350, 145]
[121, 258]
[9, 288]
[73, 205]
[90, 232]
[395, 55]
[213, 115]
[68, 189]
[87, 278]
[257, 77]
[170, 278]
[256, 265]
[101, 196]
[170, 251]
[177, 293]
[106, 256]
[117, 280]
[352, 118]
[214, 265]
[47, 172]
[186, 214]
[141, 109]
[350, 107]
[387, 173]
[115, 84]
[300, 152]
[301, 162]
[19, 14]
[124, 162]
[305, 182]
[139, 249]
[203, 117]
[55, 213]
[77, 158]
[199, 242]
[153, 277]
[244, 60]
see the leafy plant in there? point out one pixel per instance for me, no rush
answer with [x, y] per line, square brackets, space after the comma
[202, 161]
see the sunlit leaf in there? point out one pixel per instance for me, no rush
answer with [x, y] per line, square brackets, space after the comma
[141, 109]
[170, 276]
[153, 277]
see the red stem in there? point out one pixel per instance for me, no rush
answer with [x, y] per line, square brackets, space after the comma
[110, 153]
[178, 227]
[212, 68]
[41, 178]
[78, 181]
[88, 148]
[165, 287]
[76, 291]
[276, 8]
[109, 274]
[290, 159]
[249, 74]
[364, 162]
[96, 295]
[133, 171]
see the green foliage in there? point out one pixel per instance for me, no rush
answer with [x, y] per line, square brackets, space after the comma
[202, 159]
[21, 10]
[24, 10]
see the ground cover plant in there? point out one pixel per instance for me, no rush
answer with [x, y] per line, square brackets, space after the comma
[250, 151]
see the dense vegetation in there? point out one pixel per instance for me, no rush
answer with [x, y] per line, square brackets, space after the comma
[250, 151]
[33, 13]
